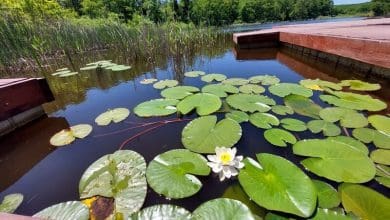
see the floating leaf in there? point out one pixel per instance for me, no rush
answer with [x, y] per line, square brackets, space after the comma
[178, 92]
[194, 73]
[317, 84]
[382, 170]
[117, 68]
[364, 202]
[354, 101]
[204, 134]
[352, 142]
[68, 74]
[156, 107]
[250, 103]
[236, 81]
[67, 136]
[325, 214]
[328, 128]
[120, 175]
[204, 104]
[112, 115]
[360, 85]
[148, 81]
[273, 216]
[381, 156]
[292, 124]
[65, 211]
[380, 123]
[238, 116]
[263, 120]
[213, 77]
[89, 68]
[220, 90]
[327, 195]
[11, 202]
[172, 173]
[61, 71]
[162, 84]
[303, 106]
[222, 209]
[162, 212]
[279, 137]
[251, 88]
[348, 118]
[265, 80]
[367, 135]
[277, 184]
[282, 110]
[335, 160]
[285, 89]
[383, 181]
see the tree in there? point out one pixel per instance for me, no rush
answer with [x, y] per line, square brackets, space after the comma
[381, 7]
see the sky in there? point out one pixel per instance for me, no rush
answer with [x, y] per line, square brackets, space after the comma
[343, 2]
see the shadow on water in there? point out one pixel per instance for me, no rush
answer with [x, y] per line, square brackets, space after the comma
[48, 176]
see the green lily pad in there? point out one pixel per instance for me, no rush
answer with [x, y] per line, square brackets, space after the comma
[204, 104]
[177, 168]
[263, 120]
[194, 73]
[67, 136]
[285, 89]
[325, 214]
[121, 176]
[11, 202]
[360, 85]
[380, 123]
[61, 71]
[251, 88]
[112, 115]
[335, 160]
[364, 202]
[67, 74]
[148, 81]
[348, 118]
[317, 84]
[168, 83]
[368, 135]
[354, 101]
[265, 80]
[94, 67]
[327, 128]
[156, 107]
[213, 77]
[279, 137]
[235, 81]
[178, 92]
[117, 68]
[277, 184]
[303, 106]
[385, 181]
[222, 209]
[65, 211]
[352, 142]
[250, 103]
[282, 110]
[204, 134]
[238, 116]
[163, 211]
[381, 156]
[292, 124]
[220, 90]
[382, 170]
[328, 196]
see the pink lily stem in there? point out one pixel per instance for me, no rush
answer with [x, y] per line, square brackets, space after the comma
[139, 134]
[346, 132]
[120, 131]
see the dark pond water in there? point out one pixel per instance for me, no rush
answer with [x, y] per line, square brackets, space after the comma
[46, 176]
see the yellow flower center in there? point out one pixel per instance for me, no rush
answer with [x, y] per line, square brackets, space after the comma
[225, 158]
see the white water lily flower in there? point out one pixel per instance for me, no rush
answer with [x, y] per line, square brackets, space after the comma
[225, 162]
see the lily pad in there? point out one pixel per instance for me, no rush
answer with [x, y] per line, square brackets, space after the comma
[238, 116]
[327, 128]
[148, 81]
[325, 214]
[279, 137]
[360, 85]
[168, 83]
[213, 77]
[112, 115]
[263, 120]
[162, 212]
[11, 202]
[156, 107]
[251, 88]
[352, 142]
[222, 209]
[328, 196]
[67, 136]
[380, 123]
[335, 160]
[204, 134]
[235, 81]
[368, 135]
[348, 118]
[364, 202]
[277, 184]
[303, 106]
[285, 89]
[354, 101]
[91, 67]
[118, 68]
[61, 71]
[250, 103]
[178, 92]
[204, 104]
[194, 73]
[65, 211]
[121, 176]
[381, 156]
[382, 170]
[292, 124]
[385, 181]
[317, 84]
[177, 168]
[282, 110]
[265, 80]
[68, 74]
[220, 90]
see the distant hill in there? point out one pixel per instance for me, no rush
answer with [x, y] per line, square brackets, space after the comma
[354, 9]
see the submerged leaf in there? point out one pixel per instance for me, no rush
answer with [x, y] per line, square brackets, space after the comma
[194, 73]
[285, 89]
[381, 156]
[327, 195]
[238, 116]
[354, 101]
[380, 123]
[263, 120]
[250, 103]
[112, 115]
[220, 90]
[251, 88]
[265, 80]
[178, 92]
[156, 107]
[67, 136]
[162, 84]
[303, 106]
[213, 77]
[368, 135]
[65, 211]
[162, 212]
[11, 202]
[328, 128]
[348, 118]
[360, 85]
[222, 209]
[279, 137]
[236, 81]
[204, 104]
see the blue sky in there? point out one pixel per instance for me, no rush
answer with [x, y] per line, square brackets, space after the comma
[341, 2]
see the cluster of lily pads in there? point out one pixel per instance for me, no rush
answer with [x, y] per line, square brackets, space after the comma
[271, 181]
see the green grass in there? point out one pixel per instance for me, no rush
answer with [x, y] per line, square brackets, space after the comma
[354, 9]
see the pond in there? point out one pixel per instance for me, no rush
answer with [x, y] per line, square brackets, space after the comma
[46, 175]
